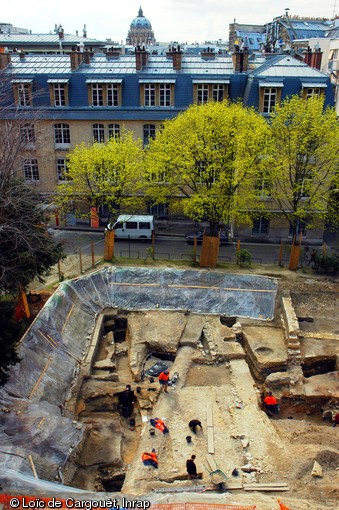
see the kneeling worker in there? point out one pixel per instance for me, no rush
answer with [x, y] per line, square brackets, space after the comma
[271, 404]
[193, 424]
[150, 459]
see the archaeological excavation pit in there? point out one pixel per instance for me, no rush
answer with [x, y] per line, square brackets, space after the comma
[220, 333]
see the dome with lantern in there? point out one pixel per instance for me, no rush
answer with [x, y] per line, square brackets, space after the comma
[140, 32]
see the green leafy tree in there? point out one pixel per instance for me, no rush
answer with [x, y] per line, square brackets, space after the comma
[305, 160]
[206, 161]
[103, 174]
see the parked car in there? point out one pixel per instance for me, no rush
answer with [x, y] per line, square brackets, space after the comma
[199, 234]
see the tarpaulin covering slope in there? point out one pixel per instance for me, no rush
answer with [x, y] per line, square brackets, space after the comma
[32, 425]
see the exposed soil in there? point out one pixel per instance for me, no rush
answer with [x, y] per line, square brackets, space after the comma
[282, 449]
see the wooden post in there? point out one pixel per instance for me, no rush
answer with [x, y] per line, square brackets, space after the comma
[153, 244]
[238, 249]
[56, 217]
[195, 250]
[59, 270]
[80, 260]
[92, 253]
[109, 245]
[324, 248]
[25, 302]
[281, 254]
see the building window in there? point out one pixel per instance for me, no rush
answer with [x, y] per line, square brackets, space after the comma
[165, 95]
[301, 228]
[98, 133]
[113, 130]
[202, 94]
[157, 94]
[31, 171]
[149, 133]
[97, 95]
[311, 92]
[112, 95]
[159, 210]
[270, 99]
[263, 186]
[62, 170]
[104, 93]
[149, 95]
[24, 94]
[59, 94]
[261, 225]
[218, 92]
[58, 90]
[27, 134]
[62, 136]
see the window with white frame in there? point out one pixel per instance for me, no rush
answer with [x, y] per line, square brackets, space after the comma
[24, 94]
[113, 130]
[312, 92]
[261, 225]
[59, 94]
[27, 134]
[157, 209]
[112, 94]
[149, 94]
[202, 93]
[62, 170]
[270, 99]
[31, 171]
[218, 92]
[97, 94]
[148, 133]
[165, 94]
[98, 133]
[263, 186]
[62, 135]
[300, 228]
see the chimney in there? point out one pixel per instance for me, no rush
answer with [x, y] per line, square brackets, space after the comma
[141, 58]
[5, 60]
[176, 54]
[61, 32]
[208, 53]
[76, 59]
[240, 61]
[87, 56]
[22, 55]
[313, 59]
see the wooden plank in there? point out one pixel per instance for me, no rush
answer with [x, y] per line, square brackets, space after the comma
[266, 484]
[32, 466]
[268, 489]
[210, 440]
[67, 318]
[40, 377]
[209, 411]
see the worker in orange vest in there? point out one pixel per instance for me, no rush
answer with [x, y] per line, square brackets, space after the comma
[163, 380]
[271, 404]
[159, 424]
[150, 459]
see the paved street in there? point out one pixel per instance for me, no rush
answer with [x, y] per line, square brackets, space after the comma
[167, 247]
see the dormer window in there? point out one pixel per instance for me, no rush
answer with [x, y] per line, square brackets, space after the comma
[58, 91]
[210, 90]
[313, 89]
[23, 92]
[270, 96]
[106, 92]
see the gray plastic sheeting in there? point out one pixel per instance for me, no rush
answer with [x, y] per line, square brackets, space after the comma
[32, 426]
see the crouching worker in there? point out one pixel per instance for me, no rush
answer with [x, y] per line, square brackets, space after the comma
[271, 404]
[150, 459]
[159, 424]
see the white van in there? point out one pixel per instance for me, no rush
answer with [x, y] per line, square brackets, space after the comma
[133, 227]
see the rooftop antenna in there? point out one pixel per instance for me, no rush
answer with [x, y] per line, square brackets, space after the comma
[334, 9]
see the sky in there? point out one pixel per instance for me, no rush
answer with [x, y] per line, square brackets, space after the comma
[172, 20]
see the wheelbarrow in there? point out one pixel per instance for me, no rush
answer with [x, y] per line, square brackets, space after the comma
[217, 476]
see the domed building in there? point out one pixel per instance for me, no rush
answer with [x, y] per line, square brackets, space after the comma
[140, 32]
